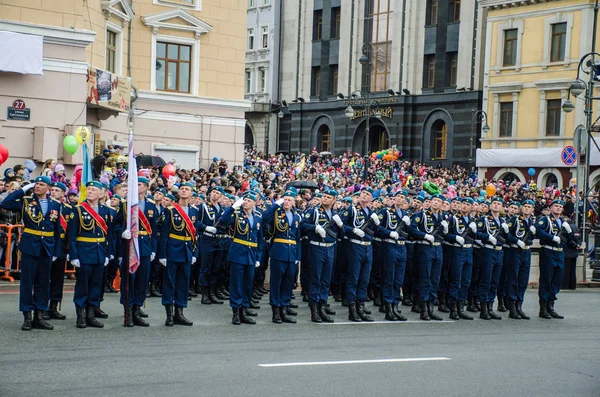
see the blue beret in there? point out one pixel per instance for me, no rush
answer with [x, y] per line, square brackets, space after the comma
[486, 202]
[557, 201]
[144, 180]
[105, 186]
[516, 203]
[251, 195]
[169, 195]
[217, 188]
[456, 199]
[367, 189]
[468, 200]
[356, 194]
[318, 195]
[187, 184]
[94, 184]
[43, 179]
[408, 200]
[203, 197]
[289, 193]
[404, 192]
[161, 190]
[331, 192]
[530, 202]
[347, 200]
[59, 185]
[195, 194]
[439, 196]
[229, 196]
[497, 198]
[292, 189]
[421, 198]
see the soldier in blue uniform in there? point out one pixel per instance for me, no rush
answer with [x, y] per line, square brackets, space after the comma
[39, 247]
[285, 253]
[244, 254]
[473, 302]
[177, 251]
[549, 230]
[321, 253]
[425, 229]
[90, 235]
[512, 211]
[148, 245]
[155, 266]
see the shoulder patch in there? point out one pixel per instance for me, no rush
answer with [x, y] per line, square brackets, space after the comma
[417, 219]
[345, 213]
[540, 222]
[307, 216]
[480, 224]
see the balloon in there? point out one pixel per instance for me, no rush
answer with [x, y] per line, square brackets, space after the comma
[4, 153]
[82, 134]
[490, 190]
[1, 159]
[388, 157]
[482, 193]
[531, 171]
[70, 144]
[168, 170]
[272, 176]
[379, 156]
[297, 170]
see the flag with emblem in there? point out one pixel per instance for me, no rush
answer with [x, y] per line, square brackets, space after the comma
[132, 209]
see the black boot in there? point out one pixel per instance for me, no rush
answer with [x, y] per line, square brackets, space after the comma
[80, 317]
[180, 319]
[484, 315]
[460, 307]
[169, 321]
[491, 312]
[39, 322]
[442, 307]
[90, 318]
[235, 319]
[551, 312]
[211, 295]
[219, 294]
[362, 313]
[416, 307]
[205, 296]
[321, 311]
[26, 321]
[501, 305]
[328, 310]
[108, 285]
[431, 312]
[142, 313]
[54, 313]
[544, 310]
[223, 292]
[46, 315]
[382, 308]
[337, 294]
[377, 298]
[289, 311]
[253, 305]
[389, 314]
[192, 293]
[423, 311]
[471, 305]
[155, 290]
[256, 295]
[519, 308]
[314, 314]
[99, 313]
[370, 295]
[276, 316]
[137, 318]
[285, 317]
[244, 317]
[129, 323]
[397, 312]
[250, 312]
[513, 310]
[477, 304]
[293, 306]
[352, 313]
[454, 310]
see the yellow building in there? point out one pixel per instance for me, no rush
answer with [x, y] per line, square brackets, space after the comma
[532, 52]
[184, 60]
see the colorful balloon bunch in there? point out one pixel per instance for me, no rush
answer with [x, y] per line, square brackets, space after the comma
[387, 154]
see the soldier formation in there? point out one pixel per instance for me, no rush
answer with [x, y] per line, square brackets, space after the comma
[425, 252]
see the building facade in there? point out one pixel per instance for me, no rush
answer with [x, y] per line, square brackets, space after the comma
[421, 70]
[532, 53]
[181, 62]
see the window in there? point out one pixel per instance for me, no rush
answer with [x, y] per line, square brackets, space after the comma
[456, 11]
[250, 39]
[265, 36]
[510, 47]
[381, 20]
[429, 71]
[251, 4]
[441, 140]
[262, 80]
[553, 110]
[335, 22]
[433, 12]
[173, 66]
[111, 51]
[316, 81]
[248, 82]
[506, 119]
[266, 2]
[318, 25]
[559, 35]
[333, 75]
[453, 61]
[324, 139]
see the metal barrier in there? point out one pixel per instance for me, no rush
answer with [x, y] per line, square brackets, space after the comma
[12, 260]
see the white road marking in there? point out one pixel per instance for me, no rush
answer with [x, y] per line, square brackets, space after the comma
[378, 361]
[387, 322]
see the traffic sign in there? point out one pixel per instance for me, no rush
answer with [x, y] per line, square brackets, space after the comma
[569, 155]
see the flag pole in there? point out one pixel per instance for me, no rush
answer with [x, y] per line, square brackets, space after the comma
[125, 263]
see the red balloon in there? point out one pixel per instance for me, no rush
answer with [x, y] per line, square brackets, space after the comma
[1, 159]
[3, 153]
[168, 170]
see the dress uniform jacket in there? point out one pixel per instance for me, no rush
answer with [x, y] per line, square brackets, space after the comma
[285, 236]
[176, 244]
[247, 245]
[147, 239]
[87, 241]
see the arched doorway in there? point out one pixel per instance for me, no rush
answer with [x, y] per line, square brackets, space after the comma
[551, 180]
[248, 138]
[508, 178]
[324, 139]
[379, 137]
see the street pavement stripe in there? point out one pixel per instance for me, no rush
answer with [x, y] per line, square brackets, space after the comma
[378, 361]
[387, 322]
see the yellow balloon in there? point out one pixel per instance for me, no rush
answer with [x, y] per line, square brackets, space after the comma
[490, 190]
[82, 134]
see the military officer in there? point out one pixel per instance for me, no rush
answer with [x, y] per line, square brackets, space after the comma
[90, 235]
[177, 251]
[155, 266]
[481, 208]
[39, 247]
[244, 254]
[512, 210]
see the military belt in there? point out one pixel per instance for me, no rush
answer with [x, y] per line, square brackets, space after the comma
[493, 247]
[360, 242]
[461, 246]
[424, 242]
[37, 232]
[62, 235]
[319, 244]
[246, 243]
[90, 239]
[284, 241]
[558, 249]
[178, 237]
[516, 246]
[215, 235]
[393, 241]
[142, 233]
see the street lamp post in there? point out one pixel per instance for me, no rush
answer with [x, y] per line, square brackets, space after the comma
[479, 116]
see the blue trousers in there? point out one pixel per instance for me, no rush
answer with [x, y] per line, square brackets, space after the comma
[320, 262]
[376, 265]
[475, 273]
[176, 283]
[518, 263]
[240, 284]
[393, 266]
[360, 258]
[409, 271]
[446, 254]
[430, 267]
[459, 273]
[502, 288]
[35, 282]
[57, 280]
[281, 283]
[211, 256]
[88, 285]
[489, 273]
[552, 267]
[138, 282]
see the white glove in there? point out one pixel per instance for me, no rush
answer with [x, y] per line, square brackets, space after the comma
[358, 232]
[429, 238]
[112, 257]
[279, 202]
[120, 259]
[406, 220]
[556, 239]
[492, 240]
[375, 218]
[193, 260]
[152, 256]
[163, 262]
[521, 244]
[460, 240]
[473, 227]
[445, 226]
[504, 227]
[567, 227]
[67, 257]
[211, 229]
[338, 221]
[126, 235]
[238, 203]
[257, 264]
[320, 231]
[54, 258]
[533, 229]
[27, 187]
[394, 235]
[75, 262]
[297, 263]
